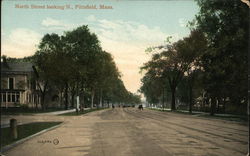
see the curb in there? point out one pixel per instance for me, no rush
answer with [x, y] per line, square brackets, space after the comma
[55, 112]
[8, 147]
[81, 114]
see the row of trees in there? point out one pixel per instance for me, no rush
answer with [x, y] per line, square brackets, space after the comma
[210, 63]
[75, 64]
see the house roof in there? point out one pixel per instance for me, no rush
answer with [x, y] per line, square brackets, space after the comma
[16, 67]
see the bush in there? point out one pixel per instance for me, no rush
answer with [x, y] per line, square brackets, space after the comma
[236, 109]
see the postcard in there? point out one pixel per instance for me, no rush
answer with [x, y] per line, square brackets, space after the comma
[124, 77]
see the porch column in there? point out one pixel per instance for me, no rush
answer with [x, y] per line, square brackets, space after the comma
[15, 98]
[20, 97]
[10, 97]
[33, 100]
[2, 98]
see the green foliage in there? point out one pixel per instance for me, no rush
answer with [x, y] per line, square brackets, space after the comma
[24, 59]
[226, 26]
[166, 68]
[213, 58]
[75, 63]
[151, 87]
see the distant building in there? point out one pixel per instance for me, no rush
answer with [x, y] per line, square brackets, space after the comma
[18, 86]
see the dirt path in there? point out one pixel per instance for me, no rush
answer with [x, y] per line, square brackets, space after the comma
[130, 132]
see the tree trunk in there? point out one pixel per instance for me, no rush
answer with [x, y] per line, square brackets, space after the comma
[37, 104]
[92, 99]
[82, 103]
[101, 99]
[43, 100]
[43, 92]
[173, 108]
[108, 103]
[190, 99]
[218, 105]
[66, 96]
[224, 105]
[61, 98]
[163, 99]
[72, 99]
[213, 105]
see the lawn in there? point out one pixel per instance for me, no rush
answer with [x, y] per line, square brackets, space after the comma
[24, 131]
[26, 111]
[81, 112]
[228, 117]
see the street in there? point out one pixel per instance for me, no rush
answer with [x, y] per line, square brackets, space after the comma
[131, 132]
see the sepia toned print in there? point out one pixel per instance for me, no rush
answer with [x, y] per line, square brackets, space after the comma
[124, 78]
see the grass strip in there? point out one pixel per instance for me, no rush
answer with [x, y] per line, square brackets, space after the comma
[227, 117]
[27, 111]
[24, 131]
[81, 112]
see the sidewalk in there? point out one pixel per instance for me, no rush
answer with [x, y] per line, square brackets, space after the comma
[38, 117]
[56, 112]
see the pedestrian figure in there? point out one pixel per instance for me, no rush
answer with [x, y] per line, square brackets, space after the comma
[140, 107]
[113, 106]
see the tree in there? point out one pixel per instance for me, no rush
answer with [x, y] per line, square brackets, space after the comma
[52, 49]
[151, 87]
[43, 63]
[107, 76]
[84, 47]
[168, 65]
[225, 23]
[190, 50]
[76, 64]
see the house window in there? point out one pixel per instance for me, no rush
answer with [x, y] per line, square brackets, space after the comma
[28, 84]
[9, 98]
[11, 83]
[33, 85]
[13, 98]
[17, 97]
[4, 97]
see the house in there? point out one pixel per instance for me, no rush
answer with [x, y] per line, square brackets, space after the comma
[18, 85]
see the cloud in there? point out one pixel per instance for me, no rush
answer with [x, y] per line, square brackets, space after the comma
[129, 32]
[2, 32]
[24, 37]
[182, 22]
[54, 24]
[20, 42]
[127, 41]
[91, 18]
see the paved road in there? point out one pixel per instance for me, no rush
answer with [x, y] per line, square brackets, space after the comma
[130, 132]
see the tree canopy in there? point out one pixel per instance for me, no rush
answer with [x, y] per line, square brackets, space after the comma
[214, 55]
[75, 63]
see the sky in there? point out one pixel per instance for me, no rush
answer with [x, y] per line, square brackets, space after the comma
[125, 29]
